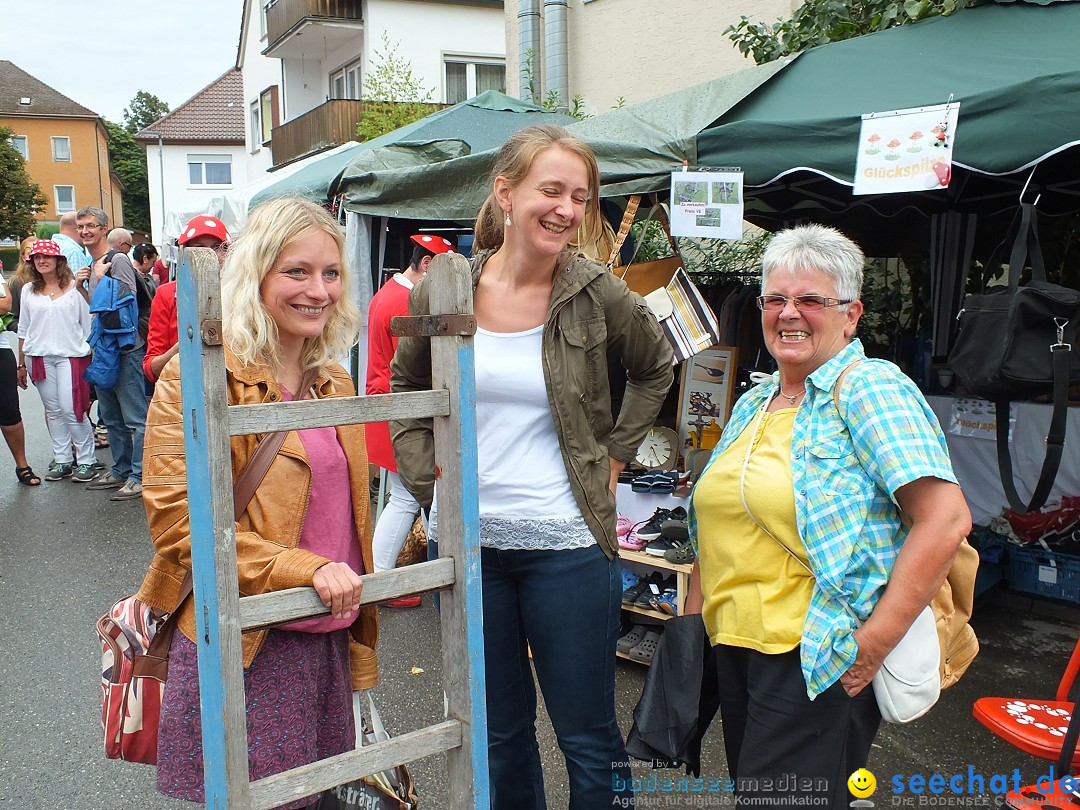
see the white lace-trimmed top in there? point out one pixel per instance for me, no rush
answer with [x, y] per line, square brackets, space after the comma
[525, 497]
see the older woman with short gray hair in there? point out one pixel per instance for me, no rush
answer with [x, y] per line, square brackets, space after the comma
[796, 524]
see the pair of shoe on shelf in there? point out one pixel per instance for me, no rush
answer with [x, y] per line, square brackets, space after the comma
[652, 591]
[658, 482]
[667, 535]
[640, 643]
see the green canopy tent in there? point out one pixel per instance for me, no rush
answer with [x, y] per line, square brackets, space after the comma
[637, 147]
[1013, 67]
[478, 124]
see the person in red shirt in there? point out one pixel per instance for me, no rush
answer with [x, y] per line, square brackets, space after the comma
[391, 300]
[162, 339]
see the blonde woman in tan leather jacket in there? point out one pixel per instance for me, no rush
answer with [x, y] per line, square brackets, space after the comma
[287, 309]
[549, 456]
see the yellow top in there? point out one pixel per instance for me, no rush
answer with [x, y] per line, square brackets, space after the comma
[756, 595]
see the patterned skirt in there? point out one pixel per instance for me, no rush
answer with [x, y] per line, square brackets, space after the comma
[299, 710]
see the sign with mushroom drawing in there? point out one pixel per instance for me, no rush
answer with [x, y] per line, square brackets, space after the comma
[906, 150]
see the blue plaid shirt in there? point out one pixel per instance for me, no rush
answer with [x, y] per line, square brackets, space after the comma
[846, 471]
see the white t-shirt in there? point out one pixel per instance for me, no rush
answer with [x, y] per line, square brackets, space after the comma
[5, 342]
[54, 328]
[525, 496]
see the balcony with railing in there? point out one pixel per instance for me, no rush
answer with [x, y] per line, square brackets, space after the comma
[287, 21]
[331, 123]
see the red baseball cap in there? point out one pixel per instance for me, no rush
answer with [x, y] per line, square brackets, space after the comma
[436, 244]
[45, 247]
[203, 225]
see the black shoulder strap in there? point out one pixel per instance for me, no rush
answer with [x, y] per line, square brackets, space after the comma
[1055, 437]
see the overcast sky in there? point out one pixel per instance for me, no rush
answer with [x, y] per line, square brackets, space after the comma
[100, 53]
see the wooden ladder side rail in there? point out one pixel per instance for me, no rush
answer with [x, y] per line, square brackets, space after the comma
[221, 614]
[456, 465]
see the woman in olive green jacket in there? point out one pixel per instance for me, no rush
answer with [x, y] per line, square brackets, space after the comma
[549, 456]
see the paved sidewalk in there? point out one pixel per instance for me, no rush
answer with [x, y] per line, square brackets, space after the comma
[68, 553]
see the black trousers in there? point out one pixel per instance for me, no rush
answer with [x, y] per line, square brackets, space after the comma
[781, 745]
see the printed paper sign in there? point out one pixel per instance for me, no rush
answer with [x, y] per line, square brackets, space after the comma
[976, 418]
[707, 204]
[906, 150]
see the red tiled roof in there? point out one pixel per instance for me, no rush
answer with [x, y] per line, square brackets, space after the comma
[16, 84]
[213, 115]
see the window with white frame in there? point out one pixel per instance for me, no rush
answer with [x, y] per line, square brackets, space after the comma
[21, 146]
[345, 83]
[209, 170]
[65, 199]
[256, 127]
[468, 76]
[61, 149]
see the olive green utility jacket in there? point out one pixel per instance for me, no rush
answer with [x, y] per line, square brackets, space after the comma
[591, 313]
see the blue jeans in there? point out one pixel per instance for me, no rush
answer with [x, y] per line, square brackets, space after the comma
[123, 410]
[565, 605]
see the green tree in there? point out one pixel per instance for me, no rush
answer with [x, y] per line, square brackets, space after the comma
[393, 96]
[20, 198]
[128, 160]
[143, 110]
[818, 22]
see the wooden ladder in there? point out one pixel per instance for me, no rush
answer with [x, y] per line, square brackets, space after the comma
[221, 614]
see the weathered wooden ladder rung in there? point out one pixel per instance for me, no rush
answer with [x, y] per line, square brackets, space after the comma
[220, 612]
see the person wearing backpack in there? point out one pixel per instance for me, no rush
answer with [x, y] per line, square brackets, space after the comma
[123, 405]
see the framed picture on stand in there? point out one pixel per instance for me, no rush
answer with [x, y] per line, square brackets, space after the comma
[707, 391]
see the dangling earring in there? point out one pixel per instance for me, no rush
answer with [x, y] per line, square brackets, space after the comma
[507, 221]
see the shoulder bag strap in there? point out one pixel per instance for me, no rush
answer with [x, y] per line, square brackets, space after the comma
[260, 460]
[1055, 437]
[155, 660]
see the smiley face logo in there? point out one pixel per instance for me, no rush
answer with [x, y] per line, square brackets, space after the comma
[862, 783]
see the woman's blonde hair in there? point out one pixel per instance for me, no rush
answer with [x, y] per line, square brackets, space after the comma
[513, 163]
[250, 332]
[22, 268]
[64, 276]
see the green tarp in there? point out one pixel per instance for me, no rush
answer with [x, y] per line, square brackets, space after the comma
[637, 148]
[475, 125]
[1015, 69]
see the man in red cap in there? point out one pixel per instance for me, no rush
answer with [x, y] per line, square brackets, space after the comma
[162, 340]
[393, 299]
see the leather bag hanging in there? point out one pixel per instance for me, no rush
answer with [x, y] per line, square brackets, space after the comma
[135, 639]
[1016, 342]
[687, 321]
[954, 602]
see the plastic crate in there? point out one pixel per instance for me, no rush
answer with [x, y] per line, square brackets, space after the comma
[1044, 573]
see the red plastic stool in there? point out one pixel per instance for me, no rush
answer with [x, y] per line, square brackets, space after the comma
[1035, 726]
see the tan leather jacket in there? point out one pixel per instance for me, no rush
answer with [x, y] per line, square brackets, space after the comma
[591, 313]
[267, 534]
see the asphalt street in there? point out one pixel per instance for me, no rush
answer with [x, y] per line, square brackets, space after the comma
[67, 554]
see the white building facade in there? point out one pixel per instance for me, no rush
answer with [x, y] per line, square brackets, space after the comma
[612, 51]
[194, 155]
[304, 71]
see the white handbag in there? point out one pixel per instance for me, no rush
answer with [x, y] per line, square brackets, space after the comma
[908, 683]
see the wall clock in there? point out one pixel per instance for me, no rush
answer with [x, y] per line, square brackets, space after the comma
[659, 450]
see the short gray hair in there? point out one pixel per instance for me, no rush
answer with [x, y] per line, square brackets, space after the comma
[97, 213]
[816, 247]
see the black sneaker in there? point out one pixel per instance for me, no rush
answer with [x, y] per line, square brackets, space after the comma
[650, 529]
[675, 528]
[659, 547]
[630, 595]
[645, 600]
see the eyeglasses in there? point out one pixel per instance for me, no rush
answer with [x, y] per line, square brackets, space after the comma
[803, 303]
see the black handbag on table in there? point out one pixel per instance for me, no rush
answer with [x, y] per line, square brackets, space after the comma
[1016, 342]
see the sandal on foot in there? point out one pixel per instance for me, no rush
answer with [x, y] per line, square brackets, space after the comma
[100, 441]
[27, 476]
